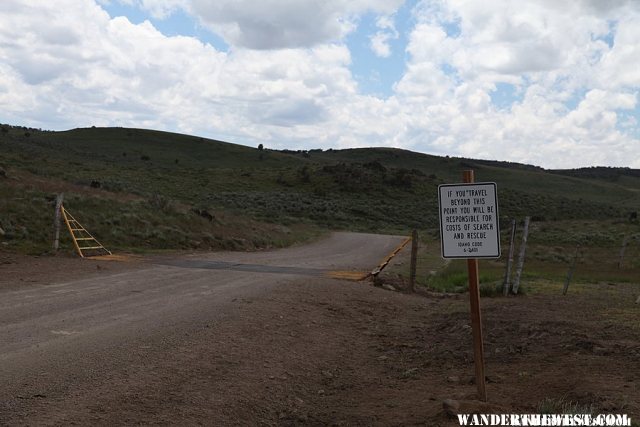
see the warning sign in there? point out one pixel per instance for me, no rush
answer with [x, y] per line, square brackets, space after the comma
[469, 220]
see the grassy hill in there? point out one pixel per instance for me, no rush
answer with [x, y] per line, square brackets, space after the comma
[143, 189]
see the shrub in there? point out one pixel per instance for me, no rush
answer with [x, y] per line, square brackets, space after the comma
[304, 174]
[160, 202]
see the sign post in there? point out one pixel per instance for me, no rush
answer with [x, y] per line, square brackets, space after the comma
[469, 230]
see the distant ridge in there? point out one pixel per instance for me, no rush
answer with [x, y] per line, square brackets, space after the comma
[368, 189]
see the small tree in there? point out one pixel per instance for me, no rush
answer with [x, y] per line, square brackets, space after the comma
[260, 147]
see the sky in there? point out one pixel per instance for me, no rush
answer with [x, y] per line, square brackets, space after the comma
[544, 82]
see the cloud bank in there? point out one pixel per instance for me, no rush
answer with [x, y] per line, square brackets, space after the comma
[548, 83]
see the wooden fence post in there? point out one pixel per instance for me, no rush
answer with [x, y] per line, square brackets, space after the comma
[414, 260]
[523, 248]
[570, 272]
[56, 222]
[476, 318]
[507, 274]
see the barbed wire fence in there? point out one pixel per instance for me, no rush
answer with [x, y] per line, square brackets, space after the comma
[560, 263]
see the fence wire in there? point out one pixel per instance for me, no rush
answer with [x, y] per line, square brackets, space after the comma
[591, 263]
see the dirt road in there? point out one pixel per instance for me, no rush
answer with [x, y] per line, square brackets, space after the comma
[65, 341]
[266, 339]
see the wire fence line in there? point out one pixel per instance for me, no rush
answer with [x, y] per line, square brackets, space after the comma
[587, 262]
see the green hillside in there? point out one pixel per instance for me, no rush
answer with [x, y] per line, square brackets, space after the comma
[153, 189]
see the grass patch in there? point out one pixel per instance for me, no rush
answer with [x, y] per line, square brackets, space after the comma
[454, 278]
[563, 406]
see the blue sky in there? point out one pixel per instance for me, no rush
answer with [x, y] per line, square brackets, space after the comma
[551, 84]
[376, 75]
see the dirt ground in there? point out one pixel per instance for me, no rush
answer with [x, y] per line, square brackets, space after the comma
[18, 270]
[331, 352]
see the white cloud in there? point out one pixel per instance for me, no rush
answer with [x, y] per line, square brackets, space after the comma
[620, 66]
[274, 24]
[380, 41]
[459, 49]
[380, 44]
[118, 73]
[287, 83]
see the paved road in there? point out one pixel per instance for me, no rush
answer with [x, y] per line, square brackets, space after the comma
[60, 338]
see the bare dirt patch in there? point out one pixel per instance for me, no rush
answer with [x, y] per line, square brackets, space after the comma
[328, 352]
[18, 270]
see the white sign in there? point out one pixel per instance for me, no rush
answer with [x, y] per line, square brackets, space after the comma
[469, 220]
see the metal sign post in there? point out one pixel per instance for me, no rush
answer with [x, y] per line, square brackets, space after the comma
[469, 230]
